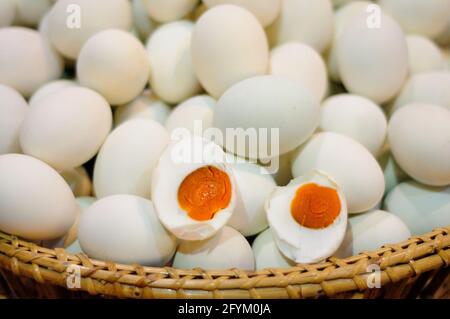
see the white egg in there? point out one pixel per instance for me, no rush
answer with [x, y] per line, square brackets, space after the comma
[66, 128]
[147, 106]
[30, 12]
[263, 104]
[126, 160]
[198, 110]
[28, 189]
[74, 248]
[49, 88]
[226, 51]
[24, 50]
[254, 184]
[13, 109]
[423, 208]
[372, 62]
[143, 24]
[424, 54]
[305, 21]
[429, 87]
[356, 117]
[78, 181]
[343, 16]
[308, 217]
[7, 12]
[265, 11]
[115, 64]
[125, 229]
[267, 254]
[427, 18]
[72, 22]
[227, 249]
[393, 174]
[352, 166]
[193, 188]
[172, 75]
[370, 231]
[419, 136]
[169, 10]
[302, 63]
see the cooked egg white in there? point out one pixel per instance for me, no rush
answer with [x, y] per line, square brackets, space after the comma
[193, 188]
[308, 218]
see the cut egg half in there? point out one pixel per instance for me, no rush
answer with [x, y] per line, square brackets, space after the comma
[308, 217]
[193, 188]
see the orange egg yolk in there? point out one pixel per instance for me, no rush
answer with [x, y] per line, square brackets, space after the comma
[315, 206]
[204, 192]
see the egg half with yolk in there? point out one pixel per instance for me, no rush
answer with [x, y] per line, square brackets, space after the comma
[193, 188]
[308, 217]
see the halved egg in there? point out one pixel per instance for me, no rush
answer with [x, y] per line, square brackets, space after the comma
[193, 188]
[308, 217]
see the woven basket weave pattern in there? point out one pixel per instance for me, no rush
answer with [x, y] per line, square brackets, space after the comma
[416, 267]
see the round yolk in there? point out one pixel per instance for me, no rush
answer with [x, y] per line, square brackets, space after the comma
[315, 206]
[204, 192]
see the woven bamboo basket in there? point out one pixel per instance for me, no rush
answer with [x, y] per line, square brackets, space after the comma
[416, 268]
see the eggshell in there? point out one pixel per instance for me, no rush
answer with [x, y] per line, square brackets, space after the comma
[393, 174]
[427, 18]
[115, 64]
[7, 12]
[172, 75]
[177, 161]
[372, 62]
[24, 50]
[267, 102]
[67, 128]
[370, 231]
[49, 88]
[125, 229]
[124, 167]
[226, 51]
[423, 208]
[419, 136]
[142, 22]
[429, 87]
[297, 242]
[28, 208]
[146, 106]
[198, 110]
[340, 3]
[330, 153]
[265, 11]
[305, 21]
[13, 109]
[169, 10]
[227, 249]
[267, 254]
[356, 117]
[342, 17]
[78, 181]
[249, 216]
[302, 63]
[424, 55]
[94, 16]
[30, 12]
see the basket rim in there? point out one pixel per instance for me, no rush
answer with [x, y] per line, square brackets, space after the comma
[407, 259]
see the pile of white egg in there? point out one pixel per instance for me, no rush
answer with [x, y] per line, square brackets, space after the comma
[110, 112]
